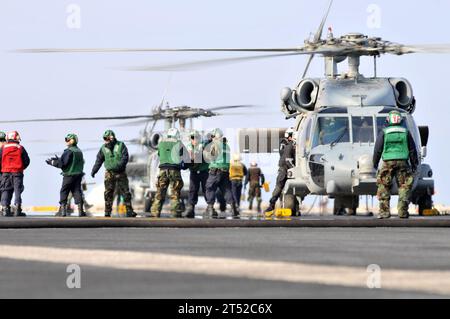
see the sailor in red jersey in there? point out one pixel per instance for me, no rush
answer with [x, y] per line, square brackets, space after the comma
[14, 160]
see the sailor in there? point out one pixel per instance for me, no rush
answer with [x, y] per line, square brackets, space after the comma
[237, 173]
[287, 161]
[198, 171]
[396, 147]
[171, 154]
[256, 179]
[114, 155]
[71, 163]
[14, 160]
[218, 155]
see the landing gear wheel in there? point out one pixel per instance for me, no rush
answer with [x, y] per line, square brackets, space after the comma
[346, 205]
[424, 202]
[291, 202]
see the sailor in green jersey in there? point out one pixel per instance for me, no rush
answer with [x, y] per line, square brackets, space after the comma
[172, 156]
[396, 147]
[217, 154]
[198, 171]
[114, 155]
[71, 163]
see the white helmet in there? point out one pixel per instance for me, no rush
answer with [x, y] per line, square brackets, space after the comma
[13, 136]
[236, 157]
[173, 133]
[289, 132]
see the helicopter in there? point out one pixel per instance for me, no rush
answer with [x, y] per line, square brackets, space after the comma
[337, 117]
[143, 167]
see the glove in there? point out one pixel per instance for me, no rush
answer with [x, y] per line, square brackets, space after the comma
[52, 161]
[93, 175]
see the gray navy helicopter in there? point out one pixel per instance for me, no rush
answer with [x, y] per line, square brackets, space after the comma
[337, 117]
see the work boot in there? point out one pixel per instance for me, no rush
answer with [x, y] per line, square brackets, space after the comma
[81, 212]
[177, 215]
[19, 212]
[64, 212]
[235, 211]
[190, 212]
[384, 216]
[7, 211]
[210, 211]
[270, 208]
[59, 212]
[258, 207]
[107, 214]
[403, 216]
[130, 211]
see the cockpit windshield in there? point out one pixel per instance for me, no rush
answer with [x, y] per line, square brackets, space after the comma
[362, 129]
[331, 130]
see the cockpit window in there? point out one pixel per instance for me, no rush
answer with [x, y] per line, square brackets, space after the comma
[331, 130]
[362, 129]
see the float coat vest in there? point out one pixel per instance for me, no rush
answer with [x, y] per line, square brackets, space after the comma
[395, 143]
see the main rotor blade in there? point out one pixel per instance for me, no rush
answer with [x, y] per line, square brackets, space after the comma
[317, 37]
[311, 57]
[426, 48]
[99, 118]
[188, 66]
[227, 107]
[56, 141]
[319, 31]
[132, 123]
[118, 50]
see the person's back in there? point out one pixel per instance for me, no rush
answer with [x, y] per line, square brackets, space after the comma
[237, 170]
[396, 147]
[14, 160]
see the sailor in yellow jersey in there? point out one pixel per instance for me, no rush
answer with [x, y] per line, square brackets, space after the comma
[237, 173]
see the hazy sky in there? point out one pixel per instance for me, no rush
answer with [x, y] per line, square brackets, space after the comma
[87, 84]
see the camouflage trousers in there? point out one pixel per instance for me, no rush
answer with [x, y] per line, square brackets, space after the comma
[254, 191]
[117, 183]
[402, 173]
[166, 178]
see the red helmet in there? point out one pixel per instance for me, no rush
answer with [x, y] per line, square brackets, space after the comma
[13, 136]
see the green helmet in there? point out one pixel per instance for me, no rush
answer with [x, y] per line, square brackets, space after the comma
[72, 136]
[2, 136]
[108, 133]
[394, 118]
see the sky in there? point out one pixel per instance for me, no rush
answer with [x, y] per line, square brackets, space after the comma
[60, 85]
